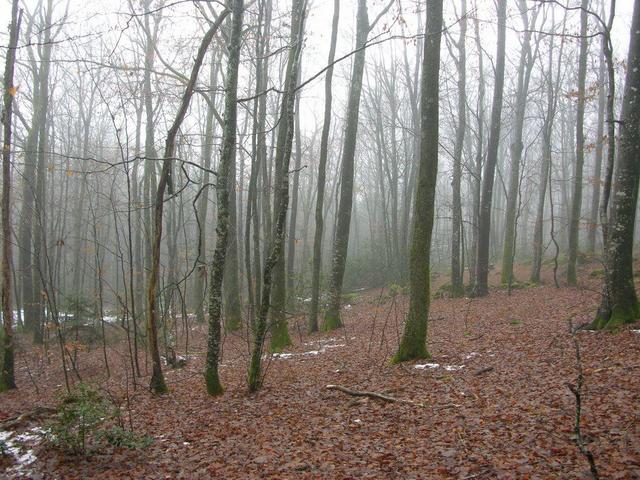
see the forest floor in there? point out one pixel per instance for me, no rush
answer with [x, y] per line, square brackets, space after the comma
[495, 399]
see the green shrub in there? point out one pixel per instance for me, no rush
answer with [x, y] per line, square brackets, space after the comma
[78, 419]
[395, 289]
[79, 422]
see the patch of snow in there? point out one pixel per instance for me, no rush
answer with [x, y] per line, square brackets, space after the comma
[357, 420]
[323, 349]
[471, 355]
[282, 355]
[426, 365]
[635, 331]
[453, 368]
[347, 307]
[22, 455]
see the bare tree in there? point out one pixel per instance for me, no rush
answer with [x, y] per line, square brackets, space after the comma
[413, 342]
[7, 379]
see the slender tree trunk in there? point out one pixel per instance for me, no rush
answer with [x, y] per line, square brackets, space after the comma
[332, 318]
[224, 189]
[322, 174]
[524, 75]
[597, 167]
[457, 272]
[484, 227]
[413, 342]
[203, 204]
[477, 167]
[282, 158]
[157, 383]
[7, 379]
[576, 202]
[279, 328]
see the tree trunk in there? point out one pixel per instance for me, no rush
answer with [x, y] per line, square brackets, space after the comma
[7, 378]
[332, 318]
[322, 174]
[524, 75]
[576, 201]
[457, 272]
[597, 167]
[282, 157]
[619, 302]
[413, 342]
[484, 227]
[157, 383]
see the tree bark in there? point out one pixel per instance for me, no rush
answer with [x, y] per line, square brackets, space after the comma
[576, 201]
[620, 302]
[157, 383]
[484, 226]
[457, 272]
[282, 157]
[322, 174]
[524, 76]
[413, 342]
[7, 379]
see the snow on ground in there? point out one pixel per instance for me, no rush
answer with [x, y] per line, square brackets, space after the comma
[20, 448]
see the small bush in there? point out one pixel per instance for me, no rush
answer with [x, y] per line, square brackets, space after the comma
[79, 416]
[395, 289]
[79, 423]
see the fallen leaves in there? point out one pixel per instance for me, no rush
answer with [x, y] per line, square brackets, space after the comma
[506, 414]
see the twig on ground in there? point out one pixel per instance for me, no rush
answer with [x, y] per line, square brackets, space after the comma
[577, 392]
[483, 370]
[380, 396]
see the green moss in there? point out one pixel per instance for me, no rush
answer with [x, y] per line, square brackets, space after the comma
[253, 375]
[158, 385]
[515, 321]
[280, 338]
[411, 349]
[598, 272]
[332, 320]
[212, 380]
[350, 297]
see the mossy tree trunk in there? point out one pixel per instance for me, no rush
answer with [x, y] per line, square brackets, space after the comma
[286, 127]
[620, 302]
[413, 342]
[322, 174]
[576, 203]
[165, 182]
[282, 158]
[224, 189]
[332, 318]
[7, 378]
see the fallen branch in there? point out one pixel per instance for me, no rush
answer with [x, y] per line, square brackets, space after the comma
[577, 393]
[24, 417]
[483, 370]
[379, 396]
